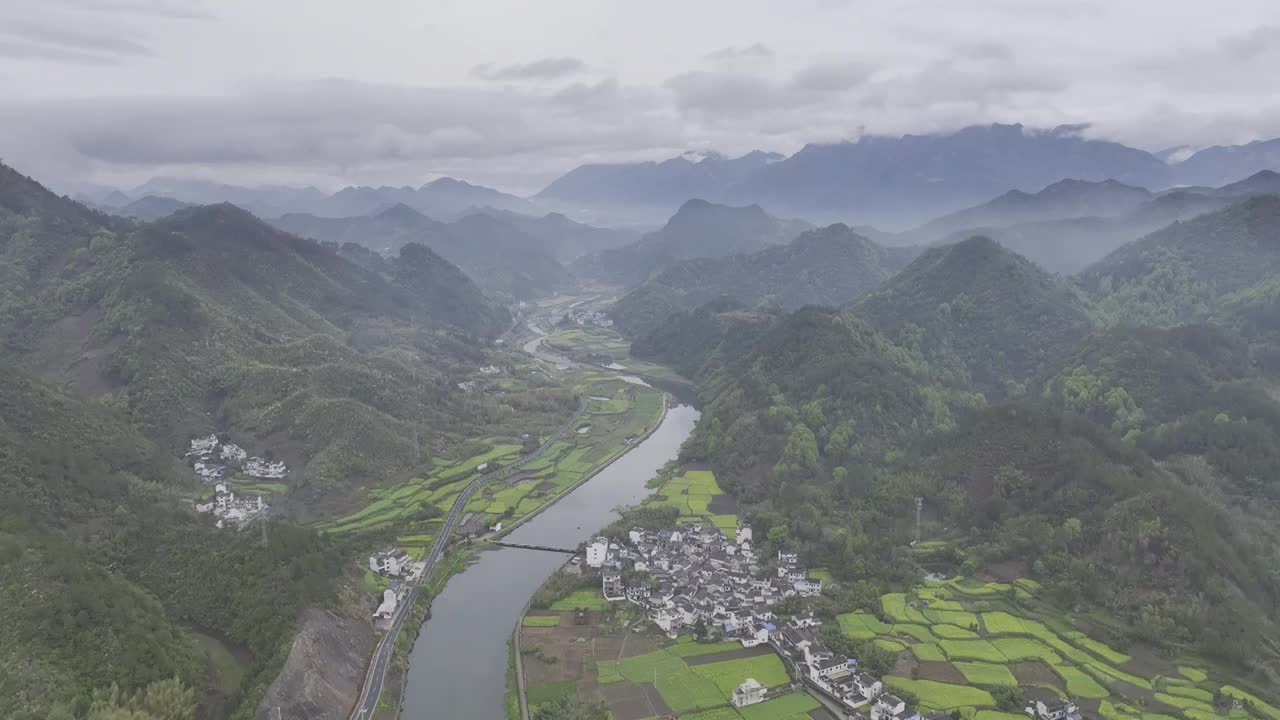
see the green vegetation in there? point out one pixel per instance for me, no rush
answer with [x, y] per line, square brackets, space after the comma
[589, 599]
[980, 673]
[729, 674]
[830, 266]
[680, 687]
[540, 620]
[795, 706]
[941, 696]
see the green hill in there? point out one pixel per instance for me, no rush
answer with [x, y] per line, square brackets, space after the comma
[830, 266]
[210, 320]
[1188, 271]
[102, 577]
[976, 312]
[699, 342]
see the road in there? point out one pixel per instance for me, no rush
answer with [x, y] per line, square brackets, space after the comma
[376, 677]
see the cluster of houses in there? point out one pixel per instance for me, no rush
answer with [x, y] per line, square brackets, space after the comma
[694, 575]
[231, 509]
[402, 569]
[212, 459]
[590, 317]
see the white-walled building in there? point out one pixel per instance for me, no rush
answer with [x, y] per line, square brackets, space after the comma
[597, 552]
[748, 693]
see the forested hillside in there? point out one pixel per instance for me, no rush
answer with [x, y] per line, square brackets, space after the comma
[829, 266]
[102, 578]
[1188, 271]
[977, 313]
[1129, 469]
[210, 320]
[699, 229]
[501, 257]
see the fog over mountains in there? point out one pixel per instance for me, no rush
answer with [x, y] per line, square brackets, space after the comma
[888, 182]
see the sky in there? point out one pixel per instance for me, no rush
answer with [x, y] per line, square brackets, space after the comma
[512, 94]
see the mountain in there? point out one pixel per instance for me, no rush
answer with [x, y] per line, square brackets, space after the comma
[151, 207]
[699, 342]
[565, 239]
[443, 198]
[1222, 164]
[830, 266]
[1063, 200]
[1184, 273]
[976, 312]
[210, 320]
[103, 577]
[643, 190]
[506, 261]
[699, 229]
[1263, 182]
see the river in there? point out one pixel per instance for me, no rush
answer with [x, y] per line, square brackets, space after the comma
[457, 669]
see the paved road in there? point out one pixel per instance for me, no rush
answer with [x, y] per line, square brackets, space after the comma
[376, 677]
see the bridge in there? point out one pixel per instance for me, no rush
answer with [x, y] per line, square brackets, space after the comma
[544, 548]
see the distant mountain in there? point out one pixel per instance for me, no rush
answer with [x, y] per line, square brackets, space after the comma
[444, 198]
[151, 207]
[1220, 164]
[1072, 224]
[699, 342]
[642, 189]
[501, 258]
[567, 240]
[1063, 200]
[830, 266]
[977, 311]
[699, 229]
[1185, 272]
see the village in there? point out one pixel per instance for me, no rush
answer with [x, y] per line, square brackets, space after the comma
[694, 577]
[213, 460]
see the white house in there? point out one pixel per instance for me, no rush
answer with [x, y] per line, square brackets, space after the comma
[390, 562]
[808, 587]
[203, 446]
[891, 707]
[828, 667]
[744, 534]
[597, 552]
[1057, 710]
[233, 453]
[389, 603]
[612, 587]
[748, 693]
[868, 686]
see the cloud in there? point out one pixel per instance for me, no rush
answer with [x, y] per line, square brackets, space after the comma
[753, 51]
[345, 128]
[832, 76]
[551, 68]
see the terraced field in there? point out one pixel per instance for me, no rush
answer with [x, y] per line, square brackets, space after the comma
[698, 497]
[1000, 634]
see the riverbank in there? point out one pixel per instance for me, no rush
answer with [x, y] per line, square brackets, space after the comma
[459, 665]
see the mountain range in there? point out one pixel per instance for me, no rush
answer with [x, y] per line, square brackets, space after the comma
[827, 266]
[699, 229]
[506, 261]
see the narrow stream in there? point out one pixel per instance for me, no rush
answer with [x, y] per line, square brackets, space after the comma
[457, 669]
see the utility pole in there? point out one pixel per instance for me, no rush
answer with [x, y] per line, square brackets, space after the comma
[919, 508]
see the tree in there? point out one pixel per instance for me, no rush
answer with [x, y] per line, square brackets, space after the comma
[1009, 699]
[779, 535]
[571, 708]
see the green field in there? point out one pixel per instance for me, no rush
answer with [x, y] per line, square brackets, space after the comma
[589, 599]
[729, 674]
[681, 689]
[932, 624]
[941, 696]
[980, 673]
[540, 621]
[692, 494]
[795, 706]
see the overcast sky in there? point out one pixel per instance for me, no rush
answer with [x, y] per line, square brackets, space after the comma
[512, 93]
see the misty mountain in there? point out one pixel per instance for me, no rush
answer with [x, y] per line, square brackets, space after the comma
[1064, 199]
[566, 239]
[828, 266]
[699, 229]
[151, 207]
[641, 189]
[443, 198]
[1224, 163]
[977, 312]
[1187, 271]
[503, 259]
